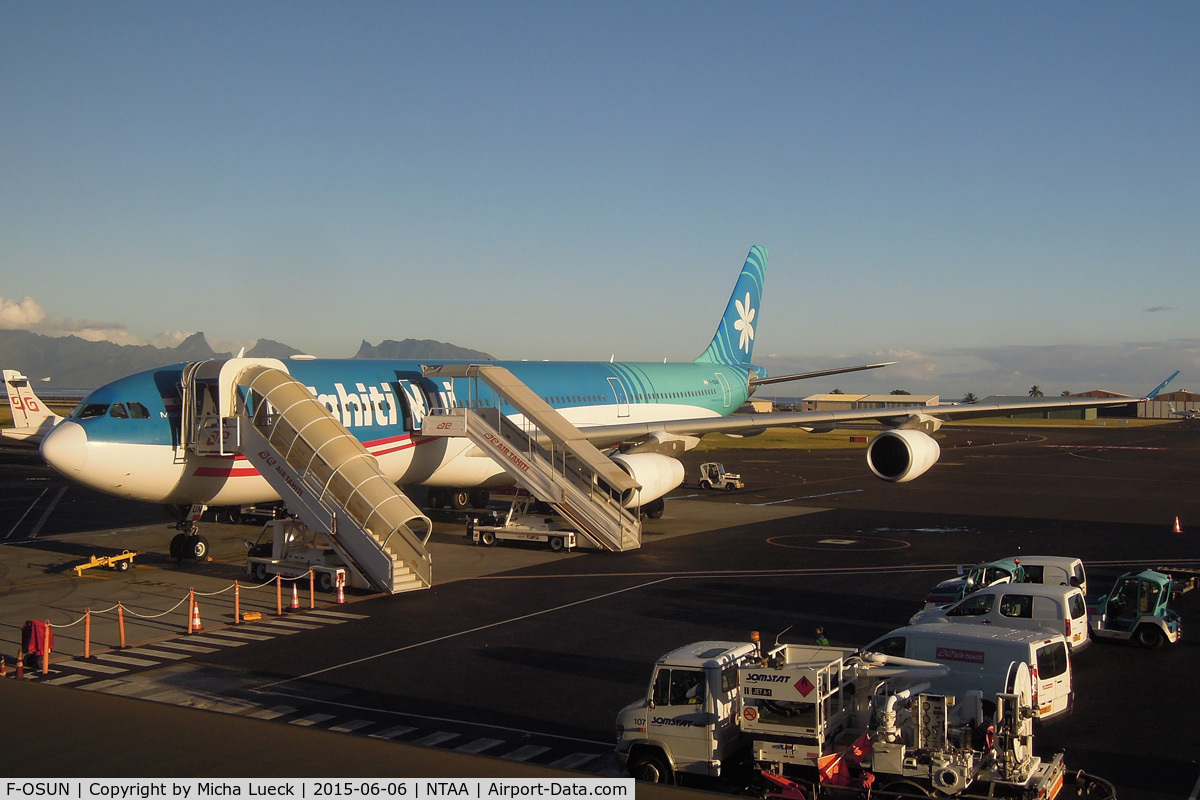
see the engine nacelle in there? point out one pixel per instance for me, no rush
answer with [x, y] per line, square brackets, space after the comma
[657, 474]
[901, 455]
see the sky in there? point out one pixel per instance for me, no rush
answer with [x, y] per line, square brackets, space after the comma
[998, 195]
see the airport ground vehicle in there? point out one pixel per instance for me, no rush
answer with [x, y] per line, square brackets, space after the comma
[521, 524]
[1005, 570]
[714, 476]
[829, 722]
[289, 548]
[1025, 606]
[1137, 608]
[1054, 570]
[980, 658]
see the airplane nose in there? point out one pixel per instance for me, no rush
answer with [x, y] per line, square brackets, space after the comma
[65, 448]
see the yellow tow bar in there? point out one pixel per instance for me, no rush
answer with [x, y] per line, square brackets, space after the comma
[118, 562]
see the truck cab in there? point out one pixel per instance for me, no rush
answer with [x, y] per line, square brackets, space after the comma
[1137, 608]
[992, 573]
[687, 722]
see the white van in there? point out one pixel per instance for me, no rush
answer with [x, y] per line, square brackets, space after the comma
[1024, 606]
[1055, 570]
[982, 658]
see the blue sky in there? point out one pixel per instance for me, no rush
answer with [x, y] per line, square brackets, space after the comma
[998, 194]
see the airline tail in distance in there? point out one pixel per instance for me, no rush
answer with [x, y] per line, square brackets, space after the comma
[32, 420]
[733, 342]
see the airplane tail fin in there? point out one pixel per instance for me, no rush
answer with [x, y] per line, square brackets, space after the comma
[32, 419]
[733, 342]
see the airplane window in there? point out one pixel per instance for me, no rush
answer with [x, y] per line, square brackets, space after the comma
[138, 411]
[93, 410]
[118, 411]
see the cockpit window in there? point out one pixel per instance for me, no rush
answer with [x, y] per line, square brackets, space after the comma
[138, 411]
[118, 411]
[90, 410]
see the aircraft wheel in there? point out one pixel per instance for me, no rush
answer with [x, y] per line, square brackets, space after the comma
[1150, 637]
[655, 508]
[460, 499]
[325, 582]
[650, 768]
[436, 498]
[480, 497]
[178, 547]
[488, 538]
[557, 543]
[197, 547]
[260, 572]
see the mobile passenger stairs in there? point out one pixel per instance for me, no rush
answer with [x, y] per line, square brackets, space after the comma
[543, 453]
[252, 407]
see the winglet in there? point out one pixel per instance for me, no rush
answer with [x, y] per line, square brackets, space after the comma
[1161, 386]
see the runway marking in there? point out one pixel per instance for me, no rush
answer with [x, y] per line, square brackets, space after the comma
[434, 739]
[352, 725]
[193, 648]
[126, 660]
[478, 746]
[38, 528]
[806, 497]
[1195, 790]
[273, 712]
[311, 719]
[64, 680]
[85, 665]
[146, 651]
[525, 753]
[13, 529]
[467, 632]
[392, 733]
[214, 640]
[574, 761]
[254, 637]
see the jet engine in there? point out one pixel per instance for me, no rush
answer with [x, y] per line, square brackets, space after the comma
[901, 455]
[657, 474]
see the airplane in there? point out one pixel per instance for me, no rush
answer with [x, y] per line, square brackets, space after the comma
[125, 437]
[32, 418]
[1187, 413]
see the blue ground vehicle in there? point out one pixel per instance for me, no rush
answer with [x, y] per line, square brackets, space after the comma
[1137, 609]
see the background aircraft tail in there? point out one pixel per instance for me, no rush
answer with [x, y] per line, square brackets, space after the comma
[32, 420]
[733, 342]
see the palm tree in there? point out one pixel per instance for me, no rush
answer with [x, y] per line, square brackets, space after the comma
[900, 391]
[1035, 391]
[970, 397]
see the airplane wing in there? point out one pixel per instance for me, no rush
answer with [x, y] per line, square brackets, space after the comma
[927, 418]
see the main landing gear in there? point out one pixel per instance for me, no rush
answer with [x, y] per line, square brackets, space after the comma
[189, 542]
[458, 499]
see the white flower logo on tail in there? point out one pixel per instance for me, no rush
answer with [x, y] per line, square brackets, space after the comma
[745, 323]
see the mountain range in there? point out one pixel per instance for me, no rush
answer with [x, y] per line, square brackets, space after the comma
[78, 364]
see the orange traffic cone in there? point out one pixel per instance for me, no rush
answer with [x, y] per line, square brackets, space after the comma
[20, 666]
[295, 598]
[1177, 528]
[196, 617]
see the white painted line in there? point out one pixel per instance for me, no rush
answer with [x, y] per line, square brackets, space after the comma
[312, 719]
[273, 712]
[525, 753]
[38, 528]
[434, 739]
[146, 651]
[132, 662]
[466, 632]
[13, 529]
[214, 639]
[352, 725]
[478, 746]
[287, 623]
[91, 667]
[65, 679]
[101, 686]
[191, 648]
[342, 615]
[574, 761]
[253, 637]
[392, 733]
[1195, 791]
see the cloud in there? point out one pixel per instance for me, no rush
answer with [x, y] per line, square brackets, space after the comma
[21, 316]
[1156, 309]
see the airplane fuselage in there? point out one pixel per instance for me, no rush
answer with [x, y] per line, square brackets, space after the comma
[124, 439]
